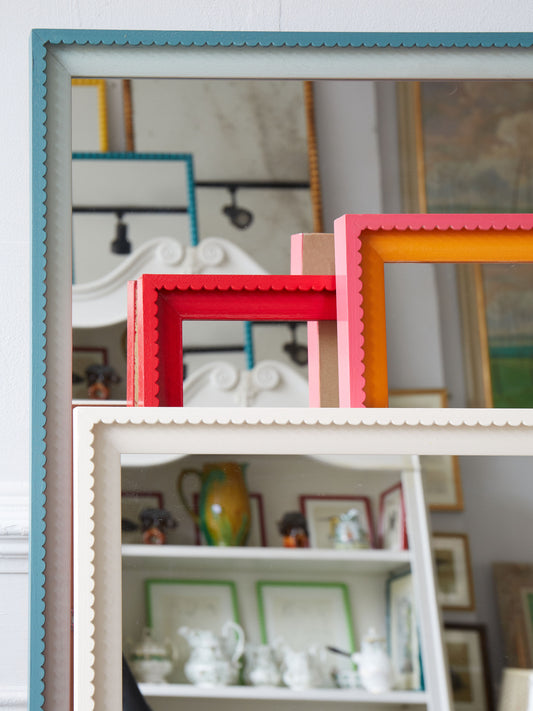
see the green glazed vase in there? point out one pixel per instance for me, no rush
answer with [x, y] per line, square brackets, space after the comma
[223, 515]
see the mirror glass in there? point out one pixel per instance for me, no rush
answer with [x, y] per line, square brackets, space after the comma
[231, 160]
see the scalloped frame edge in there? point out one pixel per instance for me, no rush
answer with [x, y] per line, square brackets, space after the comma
[365, 243]
[158, 304]
[102, 434]
[505, 54]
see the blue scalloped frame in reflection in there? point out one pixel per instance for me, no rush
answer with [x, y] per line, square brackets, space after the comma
[49, 412]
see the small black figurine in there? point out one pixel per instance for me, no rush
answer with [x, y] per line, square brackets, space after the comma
[99, 379]
[154, 523]
[293, 528]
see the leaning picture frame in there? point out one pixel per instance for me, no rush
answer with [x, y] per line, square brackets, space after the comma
[441, 475]
[497, 351]
[468, 659]
[392, 526]
[403, 632]
[453, 566]
[58, 55]
[514, 595]
[320, 509]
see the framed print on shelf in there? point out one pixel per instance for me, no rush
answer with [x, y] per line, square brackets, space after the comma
[403, 642]
[514, 593]
[82, 358]
[468, 663]
[483, 149]
[198, 604]
[392, 520]
[132, 503]
[455, 585]
[257, 534]
[304, 614]
[440, 474]
[320, 509]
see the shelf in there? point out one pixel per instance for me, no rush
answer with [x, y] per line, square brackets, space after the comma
[271, 560]
[280, 693]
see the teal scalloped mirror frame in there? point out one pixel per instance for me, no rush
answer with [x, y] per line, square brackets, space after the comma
[60, 55]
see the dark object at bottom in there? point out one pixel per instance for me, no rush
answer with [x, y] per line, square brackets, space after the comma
[132, 699]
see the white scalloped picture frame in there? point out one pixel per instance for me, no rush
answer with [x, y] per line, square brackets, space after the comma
[103, 434]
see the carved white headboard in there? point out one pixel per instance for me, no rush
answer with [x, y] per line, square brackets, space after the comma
[103, 302]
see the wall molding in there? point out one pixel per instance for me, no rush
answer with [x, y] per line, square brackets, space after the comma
[13, 698]
[14, 529]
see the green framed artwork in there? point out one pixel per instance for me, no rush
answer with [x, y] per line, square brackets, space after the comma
[467, 147]
[304, 614]
[198, 604]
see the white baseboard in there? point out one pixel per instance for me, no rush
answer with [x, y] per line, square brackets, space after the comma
[13, 698]
[14, 528]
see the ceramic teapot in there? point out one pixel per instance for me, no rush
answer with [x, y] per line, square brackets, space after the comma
[214, 659]
[150, 661]
[223, 514]
[374, 665]
[262, 668]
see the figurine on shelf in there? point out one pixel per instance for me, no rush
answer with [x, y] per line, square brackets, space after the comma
[99, 381]
[154, 523]
[293, 528]
[347, 531]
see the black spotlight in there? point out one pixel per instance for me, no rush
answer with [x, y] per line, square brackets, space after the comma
[121, 243]
[238, 216]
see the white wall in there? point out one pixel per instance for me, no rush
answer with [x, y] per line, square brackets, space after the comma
[17, 21]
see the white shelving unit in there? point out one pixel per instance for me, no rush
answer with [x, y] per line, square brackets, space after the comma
[364, 571]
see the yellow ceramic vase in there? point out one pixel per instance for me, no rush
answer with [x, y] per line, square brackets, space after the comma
[223, 514]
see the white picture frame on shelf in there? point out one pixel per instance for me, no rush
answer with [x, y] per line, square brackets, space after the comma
[403, 634]
[103, 434]
[320, 509]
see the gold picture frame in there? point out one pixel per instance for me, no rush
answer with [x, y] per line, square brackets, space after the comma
[498, 352]
[441, 475]
[453, 567]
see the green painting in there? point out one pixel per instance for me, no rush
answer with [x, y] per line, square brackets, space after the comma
[478, 158]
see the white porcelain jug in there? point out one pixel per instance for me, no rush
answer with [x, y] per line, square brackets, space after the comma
[214, 660]
[302, 669]
[374, 665]
[262, 668]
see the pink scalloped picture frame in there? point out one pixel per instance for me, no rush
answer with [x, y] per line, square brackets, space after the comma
[365, 243]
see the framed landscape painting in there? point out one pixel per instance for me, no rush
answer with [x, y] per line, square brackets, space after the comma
[466, 148]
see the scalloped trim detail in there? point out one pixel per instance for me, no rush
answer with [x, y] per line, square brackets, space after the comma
[364, 417]
[242, 282]
[442, 222]
[287, 39]
[91, 569]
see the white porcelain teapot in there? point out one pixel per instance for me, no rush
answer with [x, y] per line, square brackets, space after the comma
[214, 659]
[152, 662]
[374, 665]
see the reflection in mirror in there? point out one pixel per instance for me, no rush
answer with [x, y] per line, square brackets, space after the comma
[215, 162]
[464, 556]
[446, 118]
